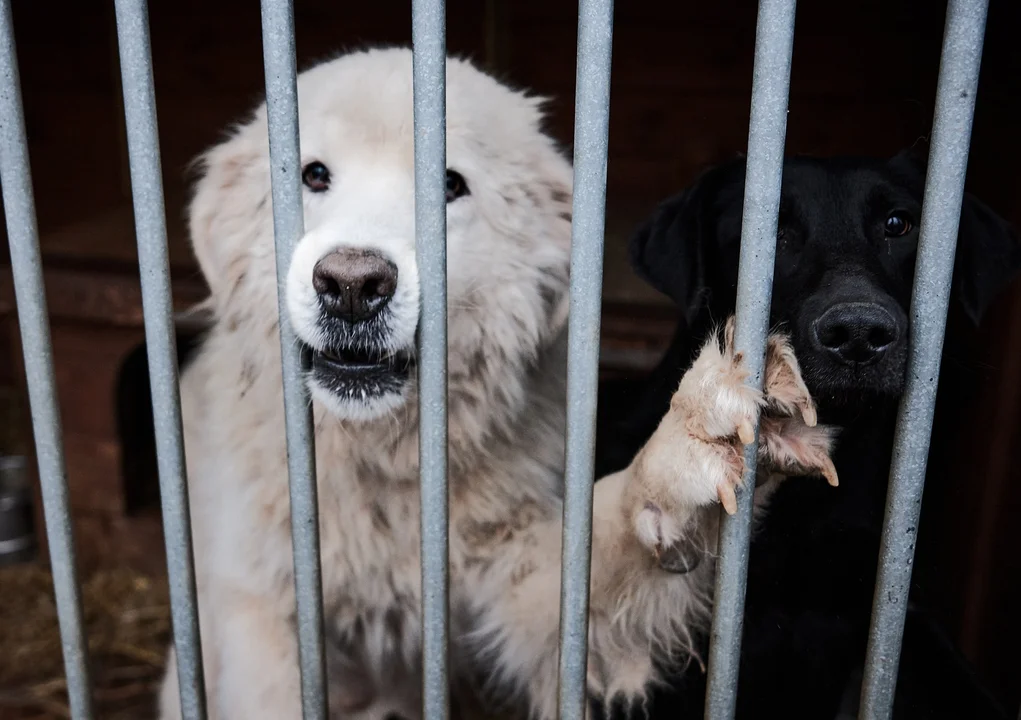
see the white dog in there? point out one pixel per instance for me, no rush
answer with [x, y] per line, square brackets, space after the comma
[353, 297]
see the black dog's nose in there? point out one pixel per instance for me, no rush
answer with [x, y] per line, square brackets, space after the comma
[856, 333]
[354, 285]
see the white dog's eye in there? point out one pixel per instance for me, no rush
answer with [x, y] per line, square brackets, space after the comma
[316, 177]
[456, 186]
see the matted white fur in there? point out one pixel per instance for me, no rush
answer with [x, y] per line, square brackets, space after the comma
[508, 255]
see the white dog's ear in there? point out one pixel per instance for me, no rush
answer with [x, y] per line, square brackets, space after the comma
[230, 210]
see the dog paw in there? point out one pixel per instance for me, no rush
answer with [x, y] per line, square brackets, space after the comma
[713, 397]
[785, 391]
[789, 447]
[668, 537]
[791, 442]
[696, 456]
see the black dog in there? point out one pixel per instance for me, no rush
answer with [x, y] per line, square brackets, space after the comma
[846, 248]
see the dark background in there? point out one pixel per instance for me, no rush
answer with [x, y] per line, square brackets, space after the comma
[863, 81]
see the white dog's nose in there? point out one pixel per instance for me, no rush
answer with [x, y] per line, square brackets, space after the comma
[354, 285]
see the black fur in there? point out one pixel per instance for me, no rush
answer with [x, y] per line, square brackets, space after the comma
[813, 563]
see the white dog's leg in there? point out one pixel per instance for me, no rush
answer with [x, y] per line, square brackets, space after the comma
[639, 610]
[257, 661]
[169, 700]
[170, 693]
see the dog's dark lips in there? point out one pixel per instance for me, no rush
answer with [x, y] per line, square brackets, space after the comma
[348, 361]
[848, 390]
[360, 374]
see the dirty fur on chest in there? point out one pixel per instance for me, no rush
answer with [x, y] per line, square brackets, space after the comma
[372, 577]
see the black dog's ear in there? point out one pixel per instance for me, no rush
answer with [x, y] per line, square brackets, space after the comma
[666, 250]
[914, 158]
[674, 249]
[988, 257]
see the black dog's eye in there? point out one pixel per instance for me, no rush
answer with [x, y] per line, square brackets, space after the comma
[456, 186]
[897, 225]
[316, 177]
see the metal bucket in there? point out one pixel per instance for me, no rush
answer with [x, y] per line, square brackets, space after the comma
[17, 537]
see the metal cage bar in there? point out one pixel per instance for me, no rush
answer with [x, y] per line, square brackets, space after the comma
[960, 62]
[289, 225]
[774, 43]
[429, 42]
[157, 307]
[30, 298]
[591, 143]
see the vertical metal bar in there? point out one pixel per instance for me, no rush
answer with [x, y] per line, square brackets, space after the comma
[774, 42]
[157, 305]
[30, 295]
[289, 225]
[960, 62]
[429, 40]
[591, 143]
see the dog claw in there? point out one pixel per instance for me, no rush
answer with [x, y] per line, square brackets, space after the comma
[728, 498]
[810, 415]
[746, 433]
[829, 471]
